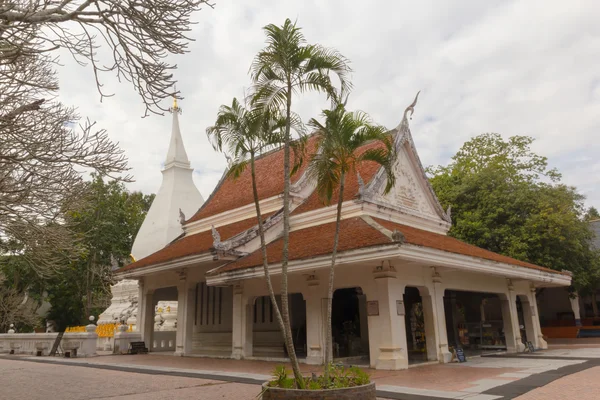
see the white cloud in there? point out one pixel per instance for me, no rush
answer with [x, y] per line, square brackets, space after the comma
[512, 67]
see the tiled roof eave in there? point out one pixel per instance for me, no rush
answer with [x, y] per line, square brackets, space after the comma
[165, 266]
[405, 251]
[375, 252]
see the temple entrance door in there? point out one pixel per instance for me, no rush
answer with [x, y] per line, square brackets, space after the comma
[415, 326]
[349, 326]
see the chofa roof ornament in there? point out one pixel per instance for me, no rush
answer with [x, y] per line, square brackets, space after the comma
[411, 108]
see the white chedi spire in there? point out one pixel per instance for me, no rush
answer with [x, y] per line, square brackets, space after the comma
[177, 195]
[176, 156]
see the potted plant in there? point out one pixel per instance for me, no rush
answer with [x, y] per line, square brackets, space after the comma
[343, 383]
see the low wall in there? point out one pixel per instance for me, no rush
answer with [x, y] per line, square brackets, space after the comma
[31, 343]
[122, 340]
[163, 341]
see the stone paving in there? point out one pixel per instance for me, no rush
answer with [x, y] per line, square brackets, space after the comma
[583, 385]
[32, 381]
[448, 377]
[481, 378]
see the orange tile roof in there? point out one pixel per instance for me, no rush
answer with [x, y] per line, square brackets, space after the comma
[230, 194]
[367, 171]
[356, 233]
[437, 241]
[315, 241]
[193, 244]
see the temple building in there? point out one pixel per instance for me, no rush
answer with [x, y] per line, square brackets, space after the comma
[405, 292]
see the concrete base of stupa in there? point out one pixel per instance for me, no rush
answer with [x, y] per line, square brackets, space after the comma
[124, 304]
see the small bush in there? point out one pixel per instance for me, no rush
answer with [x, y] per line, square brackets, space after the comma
[339, 377]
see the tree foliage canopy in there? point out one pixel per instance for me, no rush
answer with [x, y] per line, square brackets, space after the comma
[103, 226]
[43, 151]
[506, 199]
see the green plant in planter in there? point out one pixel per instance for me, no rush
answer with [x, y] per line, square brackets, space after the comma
[281, 379]
[338, 377]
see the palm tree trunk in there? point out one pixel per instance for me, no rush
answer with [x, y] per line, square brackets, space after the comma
[263, 247]
[336, 239]
[289, 341]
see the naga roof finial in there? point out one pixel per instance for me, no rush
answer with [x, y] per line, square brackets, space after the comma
[361, 184]
[411, 108]
[216, 237]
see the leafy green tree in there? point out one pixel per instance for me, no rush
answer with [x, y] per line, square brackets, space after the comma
[339, 152]
[105, 225]
[288, 66]
[592, 214]
[506, 199]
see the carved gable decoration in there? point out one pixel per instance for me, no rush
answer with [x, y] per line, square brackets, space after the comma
[409, 192]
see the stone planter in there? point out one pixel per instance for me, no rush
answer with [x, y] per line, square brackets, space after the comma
[365, 392]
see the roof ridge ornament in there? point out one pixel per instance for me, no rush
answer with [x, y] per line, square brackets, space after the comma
[361, 184]
[216, 237]
[411, 108]
[175, 108]
[181, 217]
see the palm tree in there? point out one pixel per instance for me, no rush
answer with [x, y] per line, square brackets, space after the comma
[339, 152]
[245, 134]
[288, 66]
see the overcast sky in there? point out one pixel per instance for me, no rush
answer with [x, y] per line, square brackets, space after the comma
[512, 67]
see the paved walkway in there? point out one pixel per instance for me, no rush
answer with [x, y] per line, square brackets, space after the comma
[36, 381]
[481, 378]
[583, 385]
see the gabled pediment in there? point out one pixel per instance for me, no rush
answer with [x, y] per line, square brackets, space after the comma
[412, 192]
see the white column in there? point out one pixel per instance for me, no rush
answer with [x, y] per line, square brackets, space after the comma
[439, 315]
[575, 307]
[510, 320]
[147, 318]
[139, 324]
[242, 324]
[315, 322]
[541, 342]
[528, 320]
[431, 338]
[185, 317]
[387, 330]
[189, 318]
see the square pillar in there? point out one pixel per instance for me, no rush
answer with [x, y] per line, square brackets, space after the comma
[528, 320]
[575, 307]
[510, 319]
[431, 336]
[541, 342]
[439, 315]
[185, 317]
[147, 311]
[387, 330]
[315, 322]
[139, 323]
[242, 324]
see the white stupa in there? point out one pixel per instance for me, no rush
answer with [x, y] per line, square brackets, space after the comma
[177, 199]
[177, 194]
